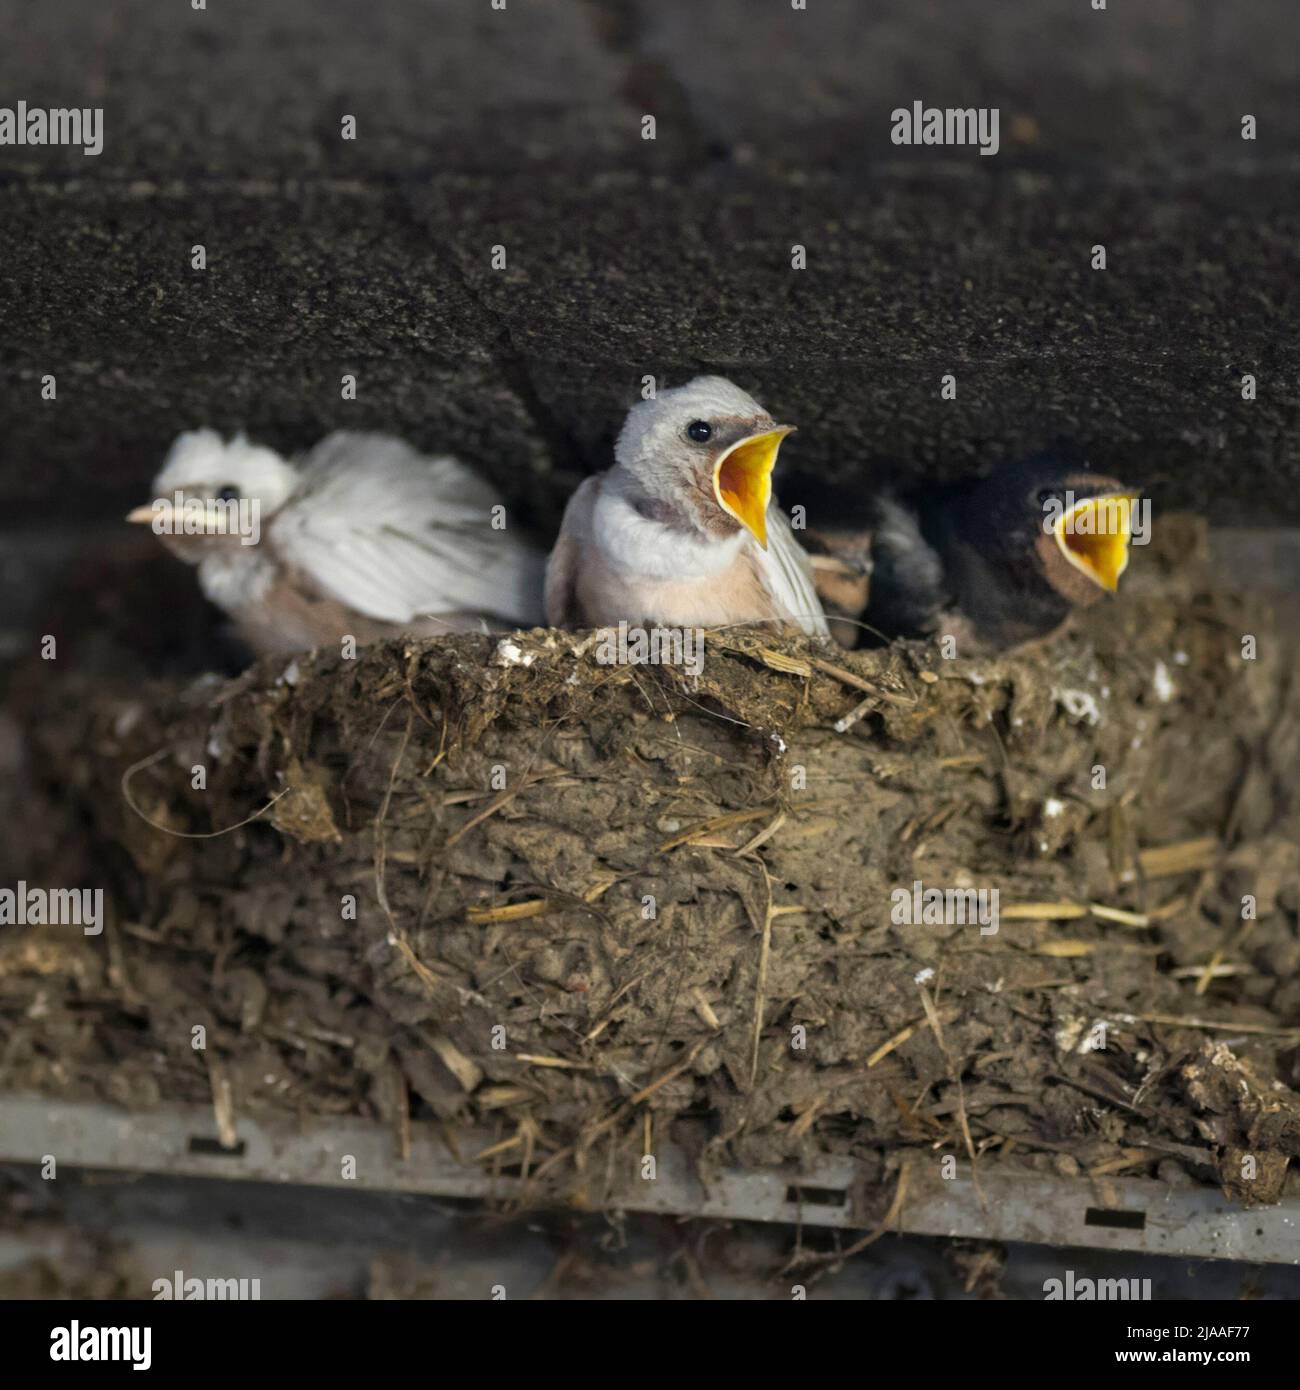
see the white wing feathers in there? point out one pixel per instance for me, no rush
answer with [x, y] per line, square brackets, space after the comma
[787, 574]
[397, 535]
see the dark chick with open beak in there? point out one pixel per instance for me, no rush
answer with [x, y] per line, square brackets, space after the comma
[997, 561]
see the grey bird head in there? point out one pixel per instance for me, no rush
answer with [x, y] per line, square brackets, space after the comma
[701, 455]
[210, 494]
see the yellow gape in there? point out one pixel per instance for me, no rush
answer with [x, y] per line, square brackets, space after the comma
[742, 479]
[1094, 537]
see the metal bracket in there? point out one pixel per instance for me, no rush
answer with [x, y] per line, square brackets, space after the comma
[1145, 1216]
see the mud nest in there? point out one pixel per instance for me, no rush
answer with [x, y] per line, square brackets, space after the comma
[593, 909]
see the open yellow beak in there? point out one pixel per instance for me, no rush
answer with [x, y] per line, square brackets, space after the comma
[144, 514]
[1094, 537]
[742, 479]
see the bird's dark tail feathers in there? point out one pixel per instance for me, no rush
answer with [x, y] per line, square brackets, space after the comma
[908, 590]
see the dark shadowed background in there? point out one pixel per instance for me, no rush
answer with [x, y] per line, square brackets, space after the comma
[522, 128]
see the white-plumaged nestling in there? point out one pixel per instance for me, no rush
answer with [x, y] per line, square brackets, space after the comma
[682, 531]
[364, 536]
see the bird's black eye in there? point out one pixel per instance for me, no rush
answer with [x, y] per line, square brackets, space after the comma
[700, 431]
[227, 494]
[1045, 495]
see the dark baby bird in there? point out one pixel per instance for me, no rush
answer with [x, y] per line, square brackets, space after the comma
[994, 562]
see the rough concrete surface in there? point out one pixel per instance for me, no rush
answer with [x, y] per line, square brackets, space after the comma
[521, 127]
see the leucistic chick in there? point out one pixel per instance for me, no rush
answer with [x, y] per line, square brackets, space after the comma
[682, 531]
[364, 536]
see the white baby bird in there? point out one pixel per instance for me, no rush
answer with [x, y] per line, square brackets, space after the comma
[363, 536]
[682, 531]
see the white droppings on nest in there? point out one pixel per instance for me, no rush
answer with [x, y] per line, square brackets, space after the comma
[1181, 658]
[600, 634]
[924, 976]
[1078, 704]
[126, 720]
[511, 654]
[1053, 806]
[1164, 687]
[668, 825]
[290, 674]
[1068, 1034]
[573, 678]
[779, 741]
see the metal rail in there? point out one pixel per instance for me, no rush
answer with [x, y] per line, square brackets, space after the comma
[1137, 1214]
